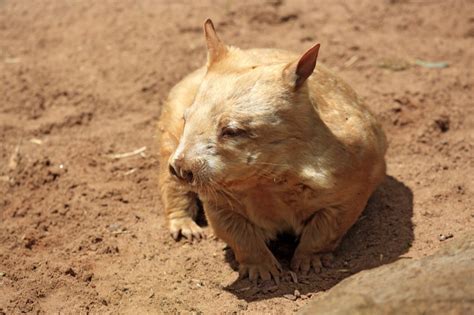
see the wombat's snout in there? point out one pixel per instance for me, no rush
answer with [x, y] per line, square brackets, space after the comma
[176, 169]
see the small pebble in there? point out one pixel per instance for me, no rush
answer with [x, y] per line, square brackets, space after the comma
[198, 282]
[290, 297]
[297, 293]
[444, 237]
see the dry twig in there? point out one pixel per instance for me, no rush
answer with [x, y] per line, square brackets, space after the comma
[128, 154]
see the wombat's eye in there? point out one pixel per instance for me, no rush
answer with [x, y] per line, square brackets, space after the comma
[232, 132]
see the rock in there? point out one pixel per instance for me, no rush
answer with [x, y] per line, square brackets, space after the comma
[444, 237]
[297, 293]
[442, 283]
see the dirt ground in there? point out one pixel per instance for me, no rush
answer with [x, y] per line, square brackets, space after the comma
[82, 228]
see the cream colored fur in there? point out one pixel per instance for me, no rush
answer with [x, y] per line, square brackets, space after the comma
[267, 155]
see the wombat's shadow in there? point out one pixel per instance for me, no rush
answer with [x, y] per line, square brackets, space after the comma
[383, 233]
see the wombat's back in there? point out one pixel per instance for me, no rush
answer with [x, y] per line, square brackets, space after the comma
[351, 122]
[344, 113]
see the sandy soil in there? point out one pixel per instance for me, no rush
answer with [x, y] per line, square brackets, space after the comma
[80, 81]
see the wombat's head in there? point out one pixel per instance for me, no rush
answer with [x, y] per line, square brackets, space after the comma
[248, 117]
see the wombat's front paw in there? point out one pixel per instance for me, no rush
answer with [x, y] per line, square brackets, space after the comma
[187, 228]
[264, 271]
[302, 262]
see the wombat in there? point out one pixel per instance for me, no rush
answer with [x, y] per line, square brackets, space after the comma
[268, 144]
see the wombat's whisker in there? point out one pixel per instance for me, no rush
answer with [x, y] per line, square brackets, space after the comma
[226, 194]
[212, 192]
[274, 164]
[264, 163]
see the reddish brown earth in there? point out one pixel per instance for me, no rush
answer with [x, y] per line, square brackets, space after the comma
[81, 81]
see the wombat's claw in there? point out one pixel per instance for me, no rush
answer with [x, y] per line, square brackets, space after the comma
[262, 271]
[302, 263]
[187, 228]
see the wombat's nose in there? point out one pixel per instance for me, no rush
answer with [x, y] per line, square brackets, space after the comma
[173, 171]
[181, 173]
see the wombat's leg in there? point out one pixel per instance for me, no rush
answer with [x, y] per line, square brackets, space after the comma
[180, 206]
[322, 234]
[248, 243]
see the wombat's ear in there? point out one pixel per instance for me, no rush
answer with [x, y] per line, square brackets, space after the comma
[215, 48]
[298, 71]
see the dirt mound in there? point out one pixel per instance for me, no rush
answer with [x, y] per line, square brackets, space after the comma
[81, 85]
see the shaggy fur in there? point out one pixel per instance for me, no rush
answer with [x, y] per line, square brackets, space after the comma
[268, 146]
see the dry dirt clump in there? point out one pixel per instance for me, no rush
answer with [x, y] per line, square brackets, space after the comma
[81, 87]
